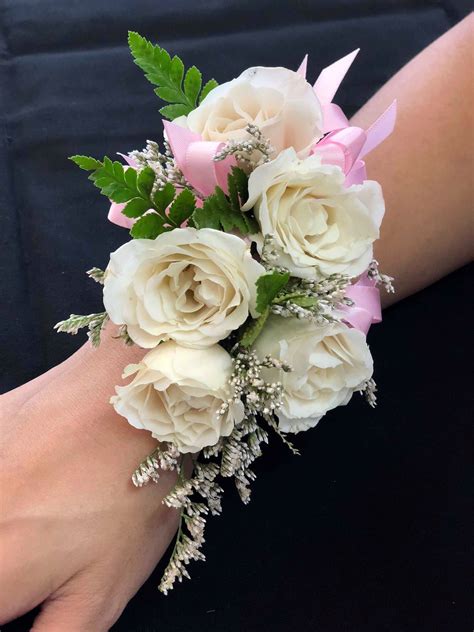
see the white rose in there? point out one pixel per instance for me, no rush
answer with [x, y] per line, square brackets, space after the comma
[329, 363]
[319, 226]
[176, 395]
[279, 101]
[192, 286]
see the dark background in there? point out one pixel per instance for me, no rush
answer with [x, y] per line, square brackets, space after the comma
[368, 530]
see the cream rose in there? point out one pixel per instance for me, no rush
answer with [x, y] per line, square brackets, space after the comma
[319, 226]
[176, 395]
[279, 101]
[329, 363]
[192, 286]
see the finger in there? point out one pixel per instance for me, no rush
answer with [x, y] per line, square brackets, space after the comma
[76, 612]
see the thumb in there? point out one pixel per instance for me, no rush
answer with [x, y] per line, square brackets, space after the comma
[74, 612]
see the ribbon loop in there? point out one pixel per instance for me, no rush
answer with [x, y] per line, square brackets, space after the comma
[366, 309]
[342, 147]
[195, 158]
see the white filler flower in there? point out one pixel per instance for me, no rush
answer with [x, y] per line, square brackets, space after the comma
[192, 286]
[279, 101]
[318, 225]
[176, 395]
[329, 363]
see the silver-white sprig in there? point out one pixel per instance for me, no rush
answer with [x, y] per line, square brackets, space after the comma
[250, 152]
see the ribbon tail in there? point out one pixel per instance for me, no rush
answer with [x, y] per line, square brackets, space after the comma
[380, 129]
[303, 67]
[331, 77]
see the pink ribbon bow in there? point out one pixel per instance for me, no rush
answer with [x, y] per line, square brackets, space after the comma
[366, 309]
[344, 145]
[195, 158]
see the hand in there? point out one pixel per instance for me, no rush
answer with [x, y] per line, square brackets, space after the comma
[74, 532]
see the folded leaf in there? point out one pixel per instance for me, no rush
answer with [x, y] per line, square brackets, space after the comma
[163, 197]
[148, 227]
[182, 208]
[268, 286]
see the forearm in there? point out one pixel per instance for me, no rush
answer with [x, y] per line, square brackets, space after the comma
[426, 166]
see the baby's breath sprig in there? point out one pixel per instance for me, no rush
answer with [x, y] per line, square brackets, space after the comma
[230, 457]
[369, 389]
[381, 279]
[75, 322]
[97, 275]
[187, 545]
[313, 299]
[124, 336]
[247, 151]
[269, 252]
[163, 165]
[163, 457]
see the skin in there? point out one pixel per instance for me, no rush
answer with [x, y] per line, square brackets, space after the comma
[75, 535]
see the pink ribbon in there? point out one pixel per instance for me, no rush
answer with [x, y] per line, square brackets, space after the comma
[366, 309]
[195, 158]
[347, 146]
[344, 145]
[326, 86]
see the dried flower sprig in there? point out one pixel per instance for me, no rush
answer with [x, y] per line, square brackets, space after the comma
[312, 299]
[97, 275]
[187, 545]
[163, 165]
[369, 390]
[381, 279]
[230, 457]
[250, 152]
[94, 322]
[165, 457]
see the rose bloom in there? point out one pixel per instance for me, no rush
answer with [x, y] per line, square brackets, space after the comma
[192, 286]
[319, 226]
[176, 395]
[329, 363]
[279, 101]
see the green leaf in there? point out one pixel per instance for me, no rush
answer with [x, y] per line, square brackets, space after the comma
[176, 71]
[130, 176]
[168, 94]
[145, 181]
[148, 227]
[172, 112]
[207, 216]
[153, 60]
[220, 213]
[254, 329]
[228, 217]
[136, 207]
[167, 74]
[192, 84]
[240, 180]
[163, 197]
[110, 179]
[86, 162]
[268, 286]
[305, 301]
[210, 85]
[182, 208]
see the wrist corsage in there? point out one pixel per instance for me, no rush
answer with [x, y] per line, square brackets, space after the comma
[249, 276]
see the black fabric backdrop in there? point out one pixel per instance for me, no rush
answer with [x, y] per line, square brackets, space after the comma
[368, 530]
